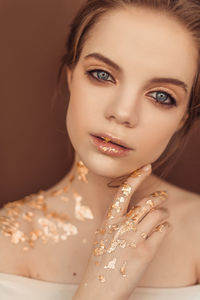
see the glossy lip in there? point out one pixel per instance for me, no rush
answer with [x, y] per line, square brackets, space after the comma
[109, 148]
[113, 139]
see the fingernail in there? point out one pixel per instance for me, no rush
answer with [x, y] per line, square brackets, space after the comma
[146, 168]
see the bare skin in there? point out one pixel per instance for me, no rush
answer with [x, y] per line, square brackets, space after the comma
[70, 258]
[165, 264]
[149, 130]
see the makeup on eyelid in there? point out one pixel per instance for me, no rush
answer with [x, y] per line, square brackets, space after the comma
[160, 90]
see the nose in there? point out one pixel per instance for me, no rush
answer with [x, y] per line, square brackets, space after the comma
[124, 110]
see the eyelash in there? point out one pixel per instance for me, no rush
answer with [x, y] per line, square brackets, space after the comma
[173, 100]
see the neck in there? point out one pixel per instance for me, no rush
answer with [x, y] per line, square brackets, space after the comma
[95, 192]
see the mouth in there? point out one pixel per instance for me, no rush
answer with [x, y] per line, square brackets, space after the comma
[107, 138]
[110, 141]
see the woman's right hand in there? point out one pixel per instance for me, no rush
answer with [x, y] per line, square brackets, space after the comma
[125, 244]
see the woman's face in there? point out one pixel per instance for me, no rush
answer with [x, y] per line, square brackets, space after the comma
[156, 58]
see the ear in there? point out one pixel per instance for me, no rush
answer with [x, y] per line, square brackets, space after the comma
[69, 77]
[185, 117]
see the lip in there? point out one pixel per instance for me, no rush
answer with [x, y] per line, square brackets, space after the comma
[113, 139]
[109, 148]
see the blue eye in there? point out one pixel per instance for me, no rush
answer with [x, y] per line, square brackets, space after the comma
[101, 75]
[162, 98]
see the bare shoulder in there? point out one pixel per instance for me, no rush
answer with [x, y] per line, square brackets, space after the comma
[16, 234]
[184, 209]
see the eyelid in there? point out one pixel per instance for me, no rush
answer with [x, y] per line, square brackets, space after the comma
[156, 89]
[164, 89]
[101, 70]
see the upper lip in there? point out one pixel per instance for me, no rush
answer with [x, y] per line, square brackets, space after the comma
[113, 139]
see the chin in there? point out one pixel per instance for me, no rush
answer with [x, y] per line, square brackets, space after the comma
[106, 166]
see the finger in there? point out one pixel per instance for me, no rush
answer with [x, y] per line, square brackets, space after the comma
[121, 201]
[149, 223]
[156, 237]
[147, 204]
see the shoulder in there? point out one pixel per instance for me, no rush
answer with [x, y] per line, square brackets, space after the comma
[184, 206]
[16, 233]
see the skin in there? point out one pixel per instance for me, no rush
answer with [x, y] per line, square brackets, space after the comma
[125, 105]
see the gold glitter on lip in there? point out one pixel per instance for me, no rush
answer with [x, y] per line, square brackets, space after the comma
[106, 139]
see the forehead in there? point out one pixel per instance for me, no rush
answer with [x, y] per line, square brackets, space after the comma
[143, 39]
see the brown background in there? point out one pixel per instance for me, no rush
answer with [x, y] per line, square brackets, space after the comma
[33, 142]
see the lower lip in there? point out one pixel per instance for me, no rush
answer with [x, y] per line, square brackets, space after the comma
[109, 148]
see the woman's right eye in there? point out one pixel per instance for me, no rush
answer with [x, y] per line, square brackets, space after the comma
[101, 75]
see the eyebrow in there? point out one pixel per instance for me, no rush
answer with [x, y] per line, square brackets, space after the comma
[112, 64]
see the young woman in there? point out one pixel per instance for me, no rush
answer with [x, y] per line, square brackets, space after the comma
[111, 228]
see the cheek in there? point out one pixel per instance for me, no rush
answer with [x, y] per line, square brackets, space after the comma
[157, 139]
[79, 113]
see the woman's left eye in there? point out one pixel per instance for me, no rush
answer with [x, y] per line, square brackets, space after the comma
[162, 97]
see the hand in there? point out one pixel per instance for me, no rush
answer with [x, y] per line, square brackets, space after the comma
[125, 244]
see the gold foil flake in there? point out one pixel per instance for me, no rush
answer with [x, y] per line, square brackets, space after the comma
[113, 246]
[136, 212]
[144, 235]
[112, 227]
[126, 189]
[150, 202]
[163, 195]
[57, 192]
[38, 203]
[13, 212]
[59, 217]
[100, 250]
[28, 216]
[51, 232]
[106, 139]
[162, 227]
[17, 236]
[69, 229]
[132, 244]
[82, 171]
[129, 225]
[109, 214]
[82, 212]
[71, 178]
[101, 278]
[121, 199]
[101, 231]
[108, 149]
[136, 173]
[49, 228]
[123, 270]
[122, 243]
[117, 206]
[111, 264]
